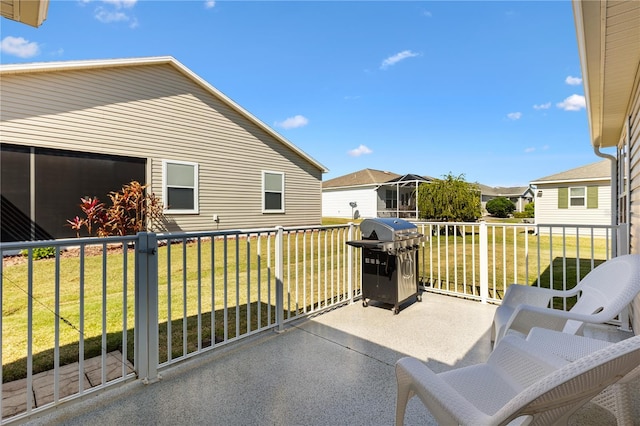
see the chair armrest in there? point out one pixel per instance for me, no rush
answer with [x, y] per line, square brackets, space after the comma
[517, 294]
[525, 317]
[444, 403]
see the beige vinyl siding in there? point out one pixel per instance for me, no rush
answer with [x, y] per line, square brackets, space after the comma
[634, 181]
[156, 112]
[548, 210]
[634, 173]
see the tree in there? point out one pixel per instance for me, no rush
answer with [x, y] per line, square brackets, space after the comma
[500, 207]
[450, 199]
[530, 209]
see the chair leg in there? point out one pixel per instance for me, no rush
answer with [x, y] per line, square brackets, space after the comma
[404, 394]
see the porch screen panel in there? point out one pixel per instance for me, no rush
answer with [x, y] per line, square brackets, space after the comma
[15, 219]
[63, 177]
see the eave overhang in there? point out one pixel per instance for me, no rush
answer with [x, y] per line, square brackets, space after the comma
[608, 34]
[30, 12]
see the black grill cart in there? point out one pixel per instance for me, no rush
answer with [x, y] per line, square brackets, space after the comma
[389, 250]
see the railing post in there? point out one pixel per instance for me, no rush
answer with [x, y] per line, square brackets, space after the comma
[280, 277]
[146, 308]
[621, 240]
[621, 235]
[484, 263]
[350, 251]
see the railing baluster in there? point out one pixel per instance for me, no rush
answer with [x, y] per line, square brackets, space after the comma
[103, 351]
[30, 330]
[199, 289]
[56, 349]
[169, 304]
[184, 297]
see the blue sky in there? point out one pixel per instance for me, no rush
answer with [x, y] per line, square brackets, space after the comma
[491, 90]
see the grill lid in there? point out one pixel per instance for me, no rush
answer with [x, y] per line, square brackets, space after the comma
[387, 229]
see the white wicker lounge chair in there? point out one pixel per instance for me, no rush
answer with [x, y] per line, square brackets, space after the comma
[617, 397]
[603, 293]
[514, 384]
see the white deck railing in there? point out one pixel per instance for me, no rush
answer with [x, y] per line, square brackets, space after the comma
[480, 260]
[160, 299]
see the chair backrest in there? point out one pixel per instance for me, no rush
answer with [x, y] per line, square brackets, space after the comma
[555, 397]
[607, 290]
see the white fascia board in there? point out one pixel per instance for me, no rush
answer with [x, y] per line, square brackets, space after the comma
[546, 182]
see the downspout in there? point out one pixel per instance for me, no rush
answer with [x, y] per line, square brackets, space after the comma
[614, 191]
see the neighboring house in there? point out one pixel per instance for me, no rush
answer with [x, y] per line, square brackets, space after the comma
[30, 12]
[520, 196]
[71, 129]
[580, 196]
[378, 193]
[608, 35]
[371, 193]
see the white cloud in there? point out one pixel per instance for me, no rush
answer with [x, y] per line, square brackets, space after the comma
[427, 13]
[210, 4]
[530, 149]
[392, 60]
[114, 11]
[572, 103]
[542, 106]
[573, 81]
[18, 46]
[514, 116]
[121, 4]
[361, 150]
[293, 122]
[108, 16]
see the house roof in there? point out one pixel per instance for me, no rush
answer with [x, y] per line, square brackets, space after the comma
[155, 60]
[501, 191]
[590, 172]
[30, 12]
[361, 178]
[608, 33]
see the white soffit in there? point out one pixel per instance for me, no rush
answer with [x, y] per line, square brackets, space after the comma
[609, 43]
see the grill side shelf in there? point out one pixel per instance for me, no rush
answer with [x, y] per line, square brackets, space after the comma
[376, 245]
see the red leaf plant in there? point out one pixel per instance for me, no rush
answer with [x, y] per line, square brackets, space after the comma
[130, 212]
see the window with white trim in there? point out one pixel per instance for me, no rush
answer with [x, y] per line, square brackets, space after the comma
[272, 192]
[179, 187]
[577, 196]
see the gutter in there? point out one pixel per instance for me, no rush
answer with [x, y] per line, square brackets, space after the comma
[614, 191]
[614, 182]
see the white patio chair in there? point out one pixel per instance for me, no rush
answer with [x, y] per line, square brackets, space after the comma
[514, 385]
[602, 294]
[617, 397]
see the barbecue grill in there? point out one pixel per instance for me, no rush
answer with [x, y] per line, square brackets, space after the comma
[389, 260]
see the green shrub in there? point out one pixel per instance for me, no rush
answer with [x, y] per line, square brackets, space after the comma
[530, 210]
[40, 252]
[500, 207]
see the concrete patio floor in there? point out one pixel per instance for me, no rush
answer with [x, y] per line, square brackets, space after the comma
[336, 368]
